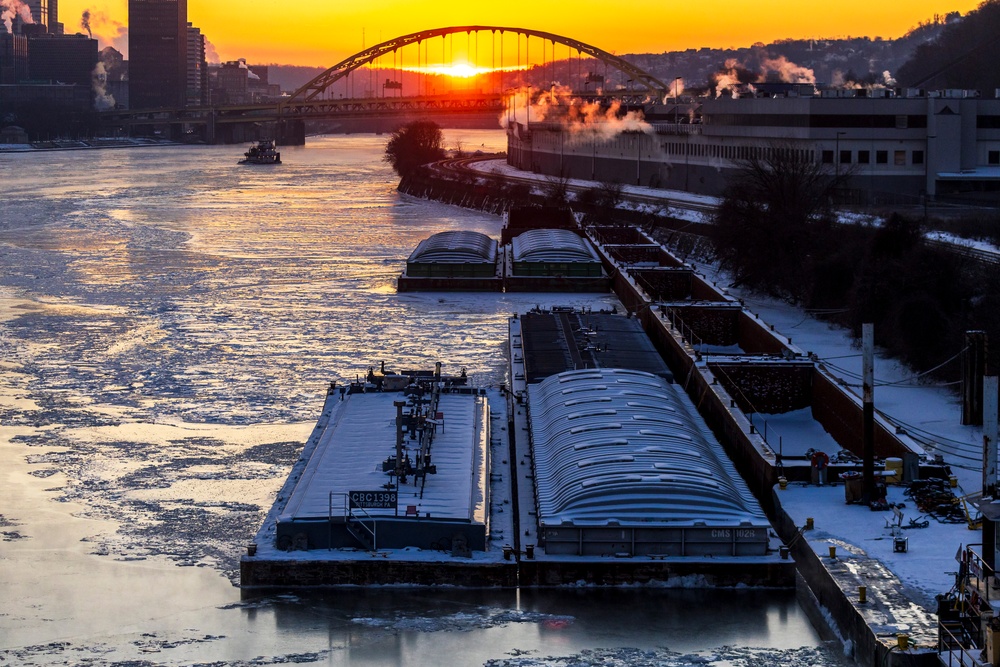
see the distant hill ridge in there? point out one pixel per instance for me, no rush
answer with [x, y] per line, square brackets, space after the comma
[947, 51]
[964, 55]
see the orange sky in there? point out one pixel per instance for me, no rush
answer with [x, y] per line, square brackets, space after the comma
[323, 32]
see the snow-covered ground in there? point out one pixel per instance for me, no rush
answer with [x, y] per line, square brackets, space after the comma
[926, 411]
[672, 202]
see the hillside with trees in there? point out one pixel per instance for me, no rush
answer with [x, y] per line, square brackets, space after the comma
[775, 233]
[964, 55]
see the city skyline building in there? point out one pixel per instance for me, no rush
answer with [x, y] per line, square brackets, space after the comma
[13, 58]
[231, 82]
[157, 44]
[197, 68]
[64, 59]
[44, 18]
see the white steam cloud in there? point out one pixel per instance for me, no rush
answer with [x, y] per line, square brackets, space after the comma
[841, 80]
[12, 9]
[106, 30]
[211, 54]
[582, 119]
[734, 75]
[784, 70]
[98, 82]
[250, 75]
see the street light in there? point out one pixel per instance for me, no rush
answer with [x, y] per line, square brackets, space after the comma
[836, 156]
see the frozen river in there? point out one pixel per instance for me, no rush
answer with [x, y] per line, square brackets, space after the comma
[169, 323]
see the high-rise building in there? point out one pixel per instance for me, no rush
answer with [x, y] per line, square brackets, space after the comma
[13, 58]
[43, 14]
[260, 90]
[197, 68]
[231, 82]
[157, 50]
[67, 59]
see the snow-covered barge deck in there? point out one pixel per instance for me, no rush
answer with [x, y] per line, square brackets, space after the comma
[432, 484]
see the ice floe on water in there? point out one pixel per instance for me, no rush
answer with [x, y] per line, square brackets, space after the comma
[168, 327]
[462, 621]
[727, 656]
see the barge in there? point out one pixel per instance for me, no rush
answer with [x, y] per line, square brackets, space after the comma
[422, 481]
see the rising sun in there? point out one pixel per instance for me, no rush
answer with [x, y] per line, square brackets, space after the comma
[456, 70]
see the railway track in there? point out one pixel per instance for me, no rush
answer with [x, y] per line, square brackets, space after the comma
[458, 167]
[463, 166]
[978, 254]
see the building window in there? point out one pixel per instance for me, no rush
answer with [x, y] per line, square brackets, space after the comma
[864, 157]
[881, 157]
[994, 157]
[845, 157]
[918, 157]
[899, 158]
[827, 157]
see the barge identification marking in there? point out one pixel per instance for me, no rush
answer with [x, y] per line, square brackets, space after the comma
[381, 500]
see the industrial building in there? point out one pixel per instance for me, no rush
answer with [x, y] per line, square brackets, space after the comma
[896, 146]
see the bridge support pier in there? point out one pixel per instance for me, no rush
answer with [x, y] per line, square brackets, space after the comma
[291, 132]
[210, 128]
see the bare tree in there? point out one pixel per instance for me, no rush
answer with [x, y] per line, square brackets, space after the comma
[556, 191]
[776, 218]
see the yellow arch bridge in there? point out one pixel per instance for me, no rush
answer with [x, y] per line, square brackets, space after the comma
[459, 73]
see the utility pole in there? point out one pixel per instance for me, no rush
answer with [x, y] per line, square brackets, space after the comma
[990, 401]
[973, 372]
[399, 470]
[868, 412]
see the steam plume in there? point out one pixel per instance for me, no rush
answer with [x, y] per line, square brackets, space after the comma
[784, 70]
[106, 30]
[872, 81]
[730, 77]
[98, 82]
[581, 119]
[250, 74]
[734, 75]
[11, 9]
[211, 54]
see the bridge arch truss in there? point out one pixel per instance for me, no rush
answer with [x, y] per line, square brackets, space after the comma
[313, 90]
